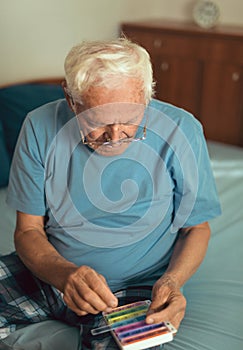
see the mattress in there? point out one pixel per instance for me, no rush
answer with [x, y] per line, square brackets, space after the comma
[214, 315]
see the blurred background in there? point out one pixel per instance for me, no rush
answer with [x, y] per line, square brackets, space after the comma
[35, 36]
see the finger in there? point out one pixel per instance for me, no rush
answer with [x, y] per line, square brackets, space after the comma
[71, 304]
[159, 302]
[158, 316]
[173, 312]
[86, 292]
[98, 285]
[92, 298]
[75, 297]
[85, 299]
[79, 305]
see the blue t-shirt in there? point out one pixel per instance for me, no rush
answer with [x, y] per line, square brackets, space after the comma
[120, 214]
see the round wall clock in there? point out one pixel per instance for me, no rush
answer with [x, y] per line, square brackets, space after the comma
[206, 13]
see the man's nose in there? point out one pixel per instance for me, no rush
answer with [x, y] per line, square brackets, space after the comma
[114, 132]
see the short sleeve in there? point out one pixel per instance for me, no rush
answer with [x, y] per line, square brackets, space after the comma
[196, 198]
[26, 182]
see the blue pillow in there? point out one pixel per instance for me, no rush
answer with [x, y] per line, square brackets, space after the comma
[16, 101]
[4, 160]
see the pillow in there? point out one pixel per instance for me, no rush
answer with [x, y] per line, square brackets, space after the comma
[4, 159]
[17, 100]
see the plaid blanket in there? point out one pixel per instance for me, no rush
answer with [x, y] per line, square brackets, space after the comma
[24, 299]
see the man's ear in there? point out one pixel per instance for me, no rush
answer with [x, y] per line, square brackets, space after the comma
[68, 96]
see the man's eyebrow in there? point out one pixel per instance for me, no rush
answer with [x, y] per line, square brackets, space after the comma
[93, 117]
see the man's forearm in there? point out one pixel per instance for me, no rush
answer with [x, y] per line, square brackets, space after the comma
[168, 302]
[42, 259]
[189, 252]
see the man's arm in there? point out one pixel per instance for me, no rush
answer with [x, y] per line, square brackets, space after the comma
[85, 291]
[168, 303]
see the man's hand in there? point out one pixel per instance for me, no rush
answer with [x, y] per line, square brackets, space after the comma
[86, 291]
[168, 303]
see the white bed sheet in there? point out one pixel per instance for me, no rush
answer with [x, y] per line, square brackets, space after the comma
[214, 317]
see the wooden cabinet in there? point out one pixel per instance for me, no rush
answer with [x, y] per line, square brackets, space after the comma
[199, 70]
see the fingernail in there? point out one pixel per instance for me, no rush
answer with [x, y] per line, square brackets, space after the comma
[108, 309]
[113, 303]
[150, 320]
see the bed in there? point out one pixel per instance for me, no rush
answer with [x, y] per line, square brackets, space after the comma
[214, 316]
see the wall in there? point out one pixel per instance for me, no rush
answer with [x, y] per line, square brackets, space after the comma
[36, 35]
[231, 10]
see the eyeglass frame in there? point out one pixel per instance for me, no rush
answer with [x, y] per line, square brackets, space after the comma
[120, 141]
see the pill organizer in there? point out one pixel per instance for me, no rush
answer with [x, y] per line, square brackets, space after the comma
[129, 329]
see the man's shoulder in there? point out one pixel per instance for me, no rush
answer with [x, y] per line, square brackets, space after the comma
[178, 115]
[50, 113]
[46, 121]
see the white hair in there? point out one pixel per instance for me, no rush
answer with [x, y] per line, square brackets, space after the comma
[104, 63]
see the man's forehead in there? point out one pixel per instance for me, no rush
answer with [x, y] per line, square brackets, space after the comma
[130, 90]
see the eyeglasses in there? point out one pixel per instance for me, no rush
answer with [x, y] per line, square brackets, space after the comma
[109, 142]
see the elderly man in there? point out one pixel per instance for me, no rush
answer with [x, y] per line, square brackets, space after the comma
[113, 191]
